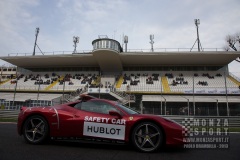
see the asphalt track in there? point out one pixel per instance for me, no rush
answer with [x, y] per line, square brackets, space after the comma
[13, 147]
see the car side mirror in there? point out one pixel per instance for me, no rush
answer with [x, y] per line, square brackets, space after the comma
[115, 113]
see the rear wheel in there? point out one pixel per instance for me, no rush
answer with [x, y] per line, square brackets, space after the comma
[147, 137]
[35, 129]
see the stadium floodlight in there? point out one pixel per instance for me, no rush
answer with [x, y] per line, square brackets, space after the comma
[125, 41]
[151, 42]
[37, 31]
[151, 36]
[36, 34]
[197, 22]
[75, 41]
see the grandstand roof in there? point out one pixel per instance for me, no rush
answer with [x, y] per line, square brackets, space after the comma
[124, 59]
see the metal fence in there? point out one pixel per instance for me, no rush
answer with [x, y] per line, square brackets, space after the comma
[233, 121]
[129, 50]
[191, 108]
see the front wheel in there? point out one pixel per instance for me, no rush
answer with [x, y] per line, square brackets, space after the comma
[35, 129]
[147, 137]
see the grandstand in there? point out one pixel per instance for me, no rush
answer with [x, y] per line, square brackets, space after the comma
[166, 81]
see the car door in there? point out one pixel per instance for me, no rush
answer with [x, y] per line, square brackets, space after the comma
[95, 121]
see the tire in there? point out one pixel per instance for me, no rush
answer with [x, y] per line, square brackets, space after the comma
[147, 137]
[35, 130]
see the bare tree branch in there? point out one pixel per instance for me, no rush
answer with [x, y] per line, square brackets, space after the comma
[237, 60]
[231, 41]
[226, 48]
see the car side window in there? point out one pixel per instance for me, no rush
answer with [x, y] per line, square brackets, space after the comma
[97, 106]
[88, 106]
[78, 105]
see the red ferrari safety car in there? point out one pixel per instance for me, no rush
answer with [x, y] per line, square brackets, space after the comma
[90, 118]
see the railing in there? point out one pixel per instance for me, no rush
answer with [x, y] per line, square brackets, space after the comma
[126, 98]
[233, 121]
[49, 53]
[72, 96]
[175, 50]
[42, 87]
[234, 76]
[186, 90]
[129, 50]
[12, 87]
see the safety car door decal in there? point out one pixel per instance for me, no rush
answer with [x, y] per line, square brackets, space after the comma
[110, 130]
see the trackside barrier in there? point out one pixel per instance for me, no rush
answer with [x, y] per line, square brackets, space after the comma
[9, 114]
[234, 121]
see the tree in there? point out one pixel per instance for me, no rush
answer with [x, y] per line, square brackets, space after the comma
[232, 41]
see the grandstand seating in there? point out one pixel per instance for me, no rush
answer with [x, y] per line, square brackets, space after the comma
[49, 81]
[142, 81]
[200, 81]
[175, 82]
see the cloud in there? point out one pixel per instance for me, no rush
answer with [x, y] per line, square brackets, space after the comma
[14, 19]
[171, 22]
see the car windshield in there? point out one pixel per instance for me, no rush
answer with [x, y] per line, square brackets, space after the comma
[126, 109]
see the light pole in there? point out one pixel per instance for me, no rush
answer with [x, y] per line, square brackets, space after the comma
[161, 93]
[226, 91]
[197, 23]
[39, 81]
[193, 96]
[151, 42]
[36, 34]
[75, 41]
[125, 41]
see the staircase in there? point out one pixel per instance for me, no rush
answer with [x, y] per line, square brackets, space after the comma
[54, 83]
[5, 81]
[166, 88]
[234, 80]
[73, 96]
[119, 82]
[97, 81]
[124, 99]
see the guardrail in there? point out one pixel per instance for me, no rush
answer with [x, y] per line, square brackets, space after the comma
[233, 121]
[6, 114]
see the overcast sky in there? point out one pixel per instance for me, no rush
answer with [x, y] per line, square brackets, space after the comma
[171, 22]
